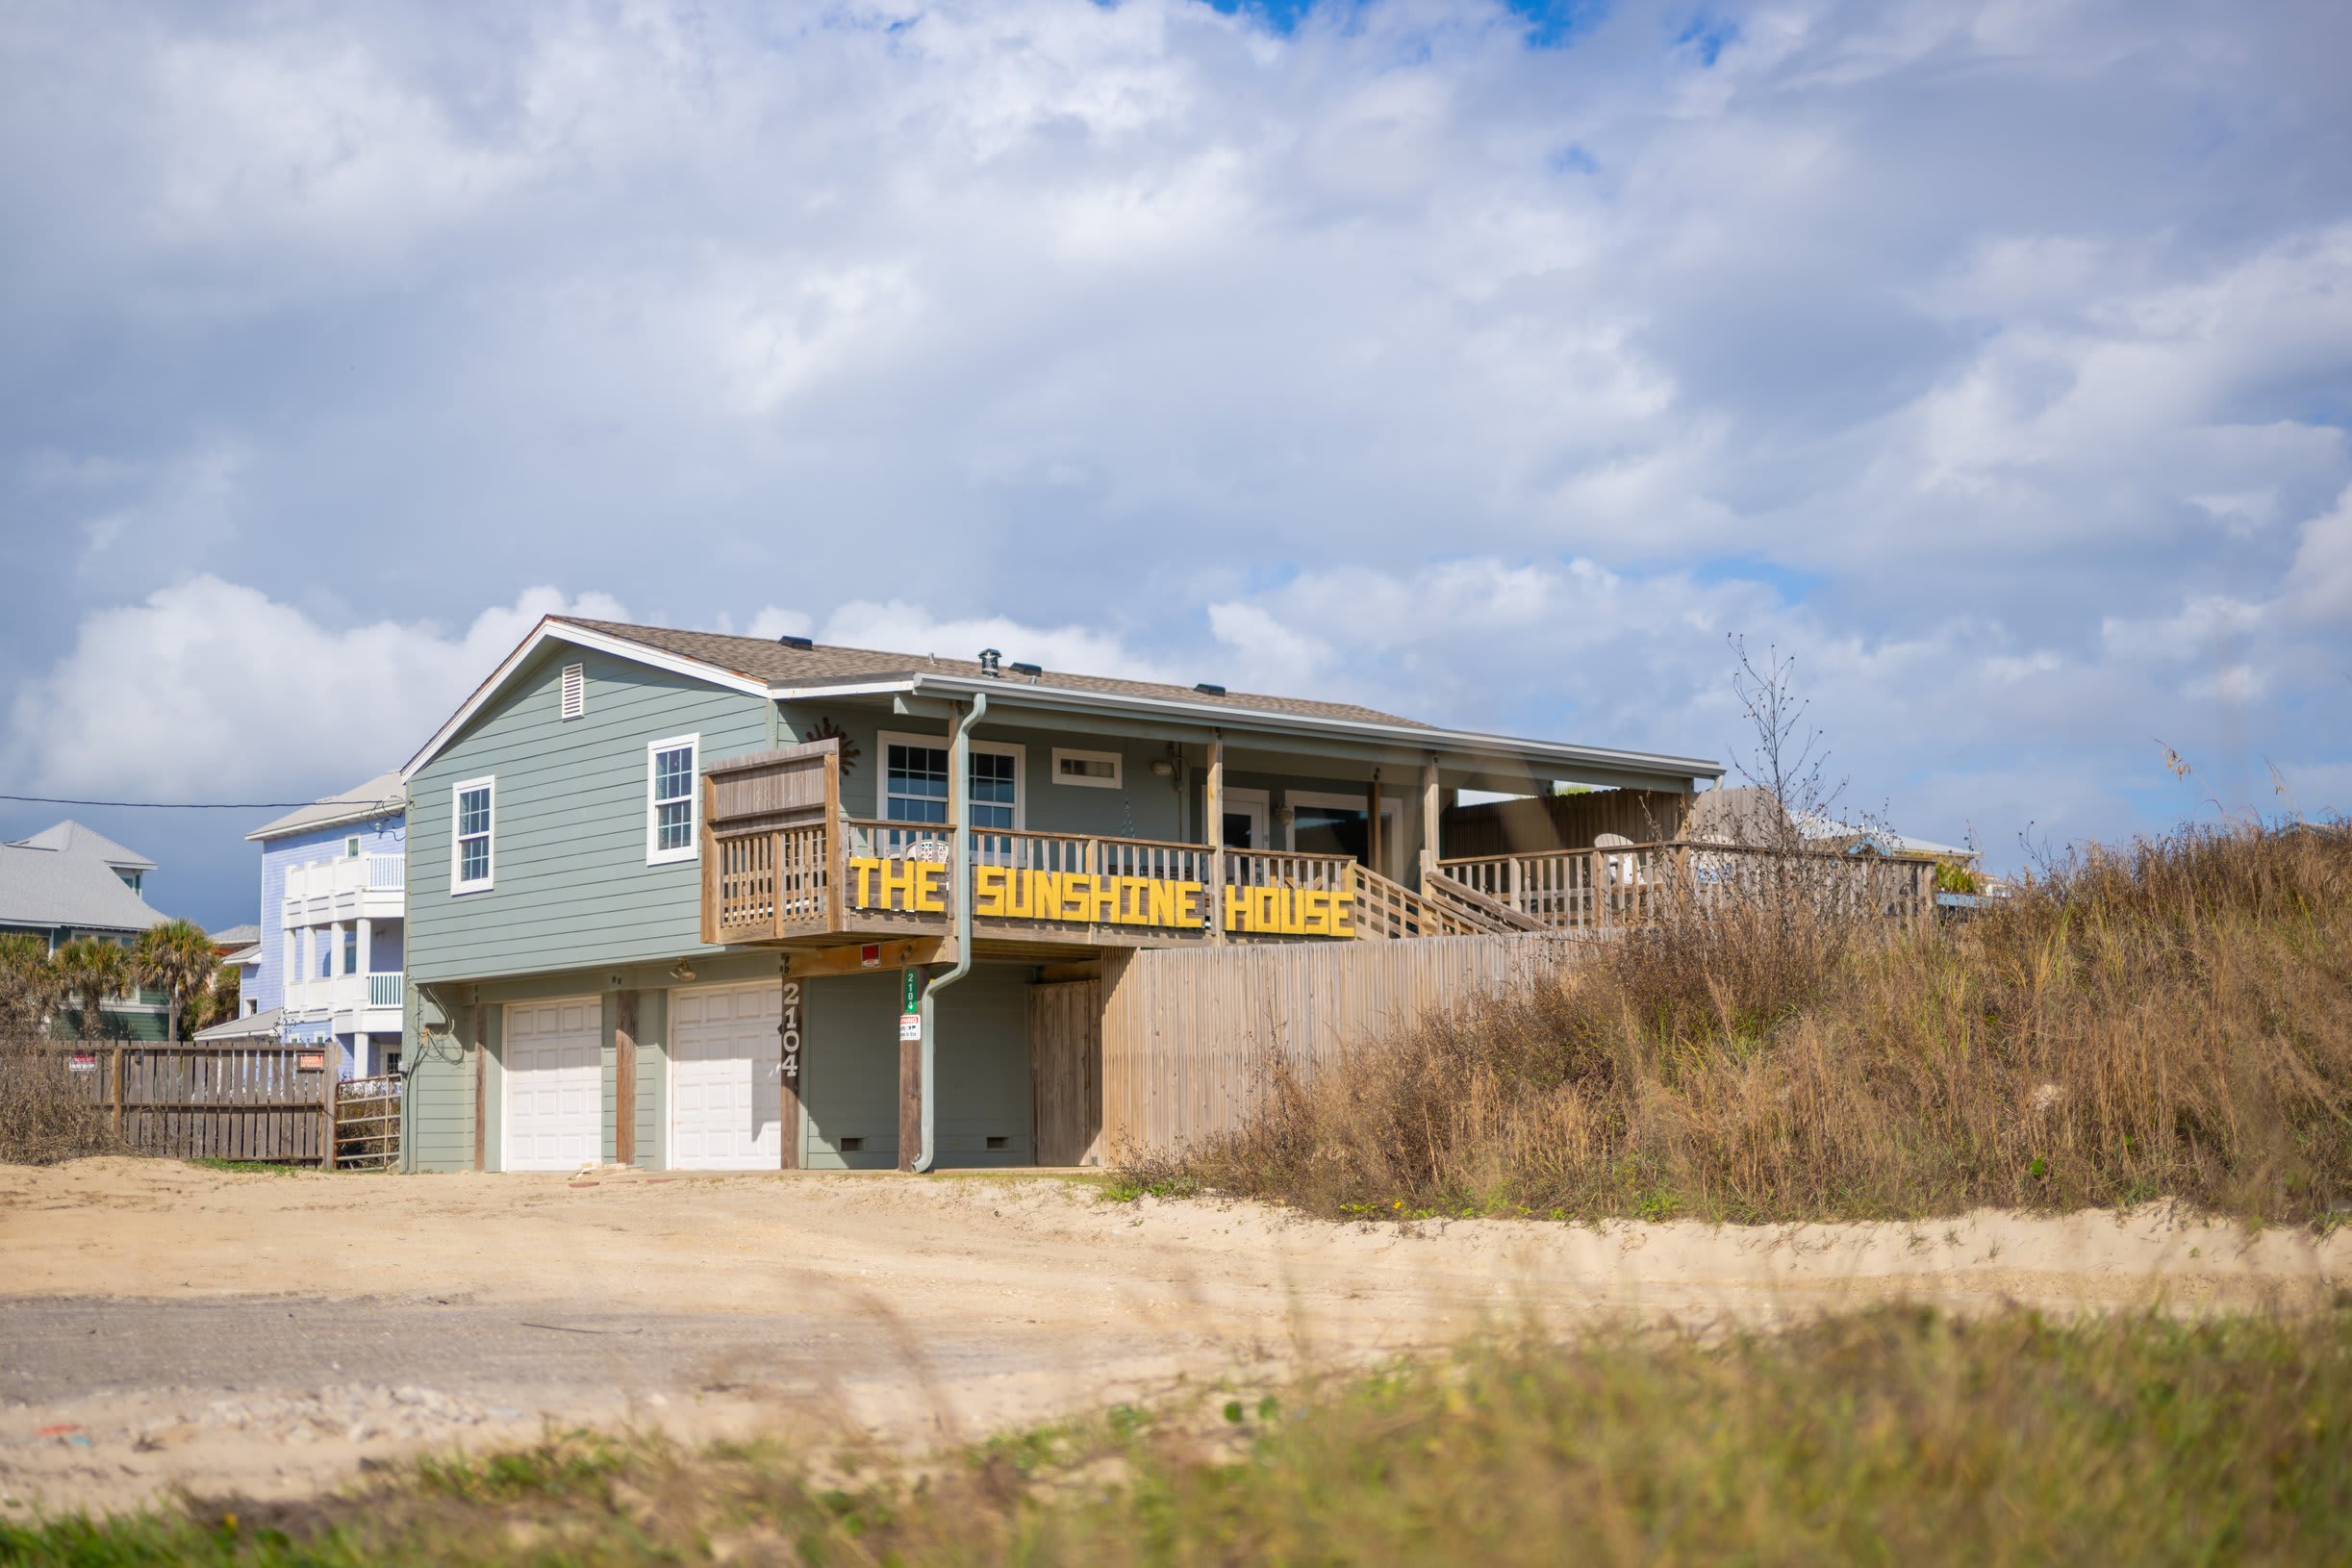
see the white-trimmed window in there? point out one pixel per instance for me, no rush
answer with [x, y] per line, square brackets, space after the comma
[473, 808]
[1094, 770]
[914, 781]
[670, 800]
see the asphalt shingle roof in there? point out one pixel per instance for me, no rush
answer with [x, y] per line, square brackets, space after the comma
[781, 664]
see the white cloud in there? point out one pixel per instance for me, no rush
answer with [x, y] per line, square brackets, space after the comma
[1994, 354]
[210, 690]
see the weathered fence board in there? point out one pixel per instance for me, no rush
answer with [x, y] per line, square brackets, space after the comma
[270, 1103]
[1187, 1031]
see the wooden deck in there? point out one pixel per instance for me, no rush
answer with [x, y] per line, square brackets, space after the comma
[784, 865]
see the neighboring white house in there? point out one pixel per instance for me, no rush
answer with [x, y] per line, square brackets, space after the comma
[332, 946]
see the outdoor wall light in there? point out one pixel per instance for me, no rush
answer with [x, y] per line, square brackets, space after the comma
[681, 971]
[1163, 769]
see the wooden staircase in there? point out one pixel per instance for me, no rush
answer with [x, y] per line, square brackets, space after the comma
[1386, 910]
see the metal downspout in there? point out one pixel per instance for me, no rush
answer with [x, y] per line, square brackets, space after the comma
[959, 775]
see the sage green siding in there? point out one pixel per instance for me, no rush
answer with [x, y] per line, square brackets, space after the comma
[570, 883]
[849, 1073]
[849, 1084]
[440, 1093]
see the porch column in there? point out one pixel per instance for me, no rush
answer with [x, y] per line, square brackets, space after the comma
[1212, 807]
[1372, 822]
[1432, 806]
[366, 929]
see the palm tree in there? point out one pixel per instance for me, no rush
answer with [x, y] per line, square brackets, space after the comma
[28, 984]
[178, 959]
[92, 969]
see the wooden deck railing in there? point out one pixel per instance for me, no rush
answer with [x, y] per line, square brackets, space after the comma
[1576, 889]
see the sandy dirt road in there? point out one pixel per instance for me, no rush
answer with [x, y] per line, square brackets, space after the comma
[164, 1325]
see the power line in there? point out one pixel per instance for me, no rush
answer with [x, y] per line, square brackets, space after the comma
[188, 805]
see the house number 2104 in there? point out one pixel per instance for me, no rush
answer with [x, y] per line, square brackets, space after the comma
[788, 1032]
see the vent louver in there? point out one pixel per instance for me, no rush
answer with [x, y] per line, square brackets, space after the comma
[575, 689]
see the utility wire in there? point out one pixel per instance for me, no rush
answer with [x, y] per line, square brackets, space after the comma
[189, 805]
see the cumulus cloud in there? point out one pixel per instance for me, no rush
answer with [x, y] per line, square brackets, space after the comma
[211, 689]
[1996, 356]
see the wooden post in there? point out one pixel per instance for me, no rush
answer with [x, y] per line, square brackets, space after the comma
[624, 1077]
[709, 849]
[1599, 889]
[791, 1046]
[836, 852]
[910, 1084]
[1371, 824]
[330, 1075]
[1212, 807]
[114, 1086]
[1432, 808]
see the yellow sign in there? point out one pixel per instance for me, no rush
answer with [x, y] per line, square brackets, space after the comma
[920, 887]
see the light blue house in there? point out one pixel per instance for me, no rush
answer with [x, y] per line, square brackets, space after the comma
[334, 927]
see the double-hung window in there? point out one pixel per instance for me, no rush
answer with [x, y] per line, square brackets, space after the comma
[670, 800]
[915, 782]
[474, 807]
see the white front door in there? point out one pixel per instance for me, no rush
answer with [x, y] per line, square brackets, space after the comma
[554, 1060]
[726, 1077]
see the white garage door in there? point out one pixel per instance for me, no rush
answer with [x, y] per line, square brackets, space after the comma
[726, 1077]
[554, 1084]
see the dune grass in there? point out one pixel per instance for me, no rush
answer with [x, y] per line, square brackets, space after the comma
[1896, 1435]
[2170, 1020]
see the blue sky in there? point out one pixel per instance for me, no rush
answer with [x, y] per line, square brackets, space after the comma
[1489, 363]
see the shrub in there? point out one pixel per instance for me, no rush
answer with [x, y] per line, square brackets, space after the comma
[2174, 1019]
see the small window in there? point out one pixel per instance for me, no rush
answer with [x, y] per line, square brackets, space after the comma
[351, 849]
[670, 800]
[474, 809]
[1094, 769]
[575, 689]
[351, 950]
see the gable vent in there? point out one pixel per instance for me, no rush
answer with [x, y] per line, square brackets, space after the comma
[575, 689]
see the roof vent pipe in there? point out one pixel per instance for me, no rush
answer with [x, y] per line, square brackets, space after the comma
[988, 663]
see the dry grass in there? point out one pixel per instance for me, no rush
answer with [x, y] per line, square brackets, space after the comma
[1895, 1436]
[46, 1112]
[2174, 1020]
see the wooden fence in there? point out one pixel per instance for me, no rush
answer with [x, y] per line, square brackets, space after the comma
[267, 1102]
[1187, 1032]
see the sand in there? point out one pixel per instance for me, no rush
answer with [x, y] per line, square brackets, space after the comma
[165, 1325]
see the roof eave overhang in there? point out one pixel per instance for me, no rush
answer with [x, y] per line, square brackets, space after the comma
[1469, 749]
[357, 814]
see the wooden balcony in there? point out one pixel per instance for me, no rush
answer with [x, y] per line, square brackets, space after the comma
[784, 865]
